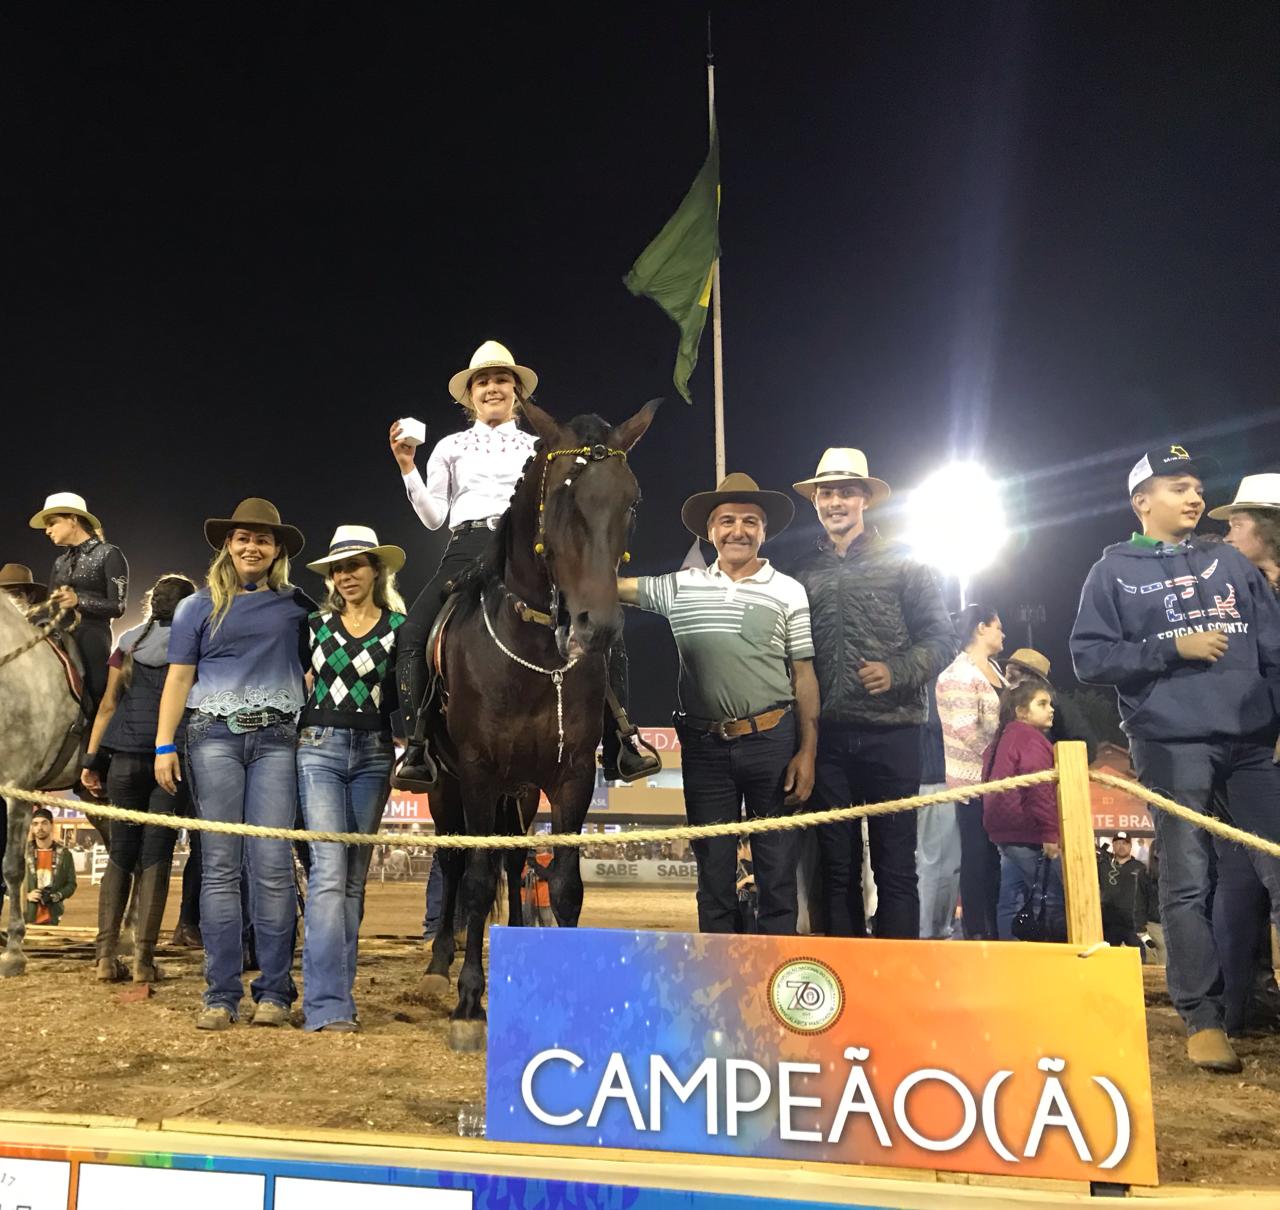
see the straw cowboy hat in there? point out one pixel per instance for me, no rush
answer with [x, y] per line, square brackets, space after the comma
[254, 513]
[737, 488]
[1255, 491]
[350, 540]
[1032, 660]
[65, 504]
[490, 356]
[16, 578]
[842, 465]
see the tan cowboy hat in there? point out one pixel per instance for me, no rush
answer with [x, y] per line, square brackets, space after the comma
[349, 540]
[737, 488]
[16, 578]
[64, 503]
[490, 356]
[1255, 491]
[843, 465]
[1029, 658]
[254, 513]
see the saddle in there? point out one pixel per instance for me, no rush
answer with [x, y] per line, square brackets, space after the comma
[69, 657]
[64, 647]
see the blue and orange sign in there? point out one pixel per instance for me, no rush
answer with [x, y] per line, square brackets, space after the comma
[1008, 1059]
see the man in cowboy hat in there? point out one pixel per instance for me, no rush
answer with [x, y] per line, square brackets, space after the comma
[748, 720]
[17, 581]
[1068, 723]
[881, 633]
[1188, 633]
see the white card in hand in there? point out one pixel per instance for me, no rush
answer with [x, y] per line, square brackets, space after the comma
[412, 432]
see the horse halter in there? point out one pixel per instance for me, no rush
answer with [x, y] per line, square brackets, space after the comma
[582, 455]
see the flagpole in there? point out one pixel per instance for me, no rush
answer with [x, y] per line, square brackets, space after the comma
[717, 351]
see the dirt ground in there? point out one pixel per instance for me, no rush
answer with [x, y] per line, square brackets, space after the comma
[68, 1045]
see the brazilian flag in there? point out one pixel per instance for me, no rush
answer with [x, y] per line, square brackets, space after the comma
[675, 270]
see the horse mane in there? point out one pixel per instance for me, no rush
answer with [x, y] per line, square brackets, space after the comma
[491, 568]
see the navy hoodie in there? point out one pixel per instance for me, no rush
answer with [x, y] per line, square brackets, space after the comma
[1138, 598]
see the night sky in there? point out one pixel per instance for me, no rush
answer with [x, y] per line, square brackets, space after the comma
[240, 242]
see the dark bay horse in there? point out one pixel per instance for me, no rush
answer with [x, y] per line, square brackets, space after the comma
[524, 664]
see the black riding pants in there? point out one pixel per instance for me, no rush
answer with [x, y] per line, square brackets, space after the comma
[131, 783]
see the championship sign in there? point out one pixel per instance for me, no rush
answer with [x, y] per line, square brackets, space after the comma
[1011, 1059]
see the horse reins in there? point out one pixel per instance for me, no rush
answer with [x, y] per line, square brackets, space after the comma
[51, 627]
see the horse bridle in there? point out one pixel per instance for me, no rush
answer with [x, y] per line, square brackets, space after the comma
[583, 456]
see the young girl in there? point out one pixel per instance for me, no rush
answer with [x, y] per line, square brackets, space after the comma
[236, 655]
[344, 757]
[1024, 823]
[125, 727]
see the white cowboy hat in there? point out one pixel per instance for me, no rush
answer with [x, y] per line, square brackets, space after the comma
[843, 465]
[490, 356]
[1255, 491]
[64, 503]
[349, 540]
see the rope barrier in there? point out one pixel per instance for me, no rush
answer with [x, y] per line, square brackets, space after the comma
[546, 840]
[747, 827]
[1210, 823]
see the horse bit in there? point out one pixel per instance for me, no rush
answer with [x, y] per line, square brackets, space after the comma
[582, 456]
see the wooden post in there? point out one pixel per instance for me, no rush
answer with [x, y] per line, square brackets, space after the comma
[1079, 862]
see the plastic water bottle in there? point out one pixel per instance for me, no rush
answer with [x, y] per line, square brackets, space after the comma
[471, 1120]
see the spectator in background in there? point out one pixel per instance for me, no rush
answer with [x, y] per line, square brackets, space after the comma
[51, 872]
[969, 707]
[937, 835]
[1128, 895]
[1068, 722]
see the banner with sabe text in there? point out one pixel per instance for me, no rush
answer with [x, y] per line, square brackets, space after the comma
[1013, 1059]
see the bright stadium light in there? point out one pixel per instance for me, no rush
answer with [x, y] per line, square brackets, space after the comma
[956, 522]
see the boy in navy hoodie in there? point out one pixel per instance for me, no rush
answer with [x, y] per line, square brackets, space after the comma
[1189, 635]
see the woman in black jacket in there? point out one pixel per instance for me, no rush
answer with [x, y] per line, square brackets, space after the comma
[90, 576]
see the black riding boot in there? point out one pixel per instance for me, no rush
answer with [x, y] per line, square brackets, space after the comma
[113, 898]
[417, 772]
[626, 756]
[153, 891]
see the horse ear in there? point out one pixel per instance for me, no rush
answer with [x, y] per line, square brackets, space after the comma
[543, 424]
[625, 435]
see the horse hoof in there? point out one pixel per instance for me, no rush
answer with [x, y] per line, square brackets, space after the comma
[12, 965]
[432, 989]
[466, 1036]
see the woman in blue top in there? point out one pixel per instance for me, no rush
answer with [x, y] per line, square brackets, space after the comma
[237, 651]
[344, 757]
[124, 732]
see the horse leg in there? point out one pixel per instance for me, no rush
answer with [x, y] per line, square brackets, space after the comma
[467, 1029]
[13, 961]
[565, 874]
[525, 807]
[433, 987]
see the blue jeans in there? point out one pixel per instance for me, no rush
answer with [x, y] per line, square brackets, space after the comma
[1018, 870]
[723, 778]
[1240, 774]
[250, 779]
[344, 776]
[937, 866]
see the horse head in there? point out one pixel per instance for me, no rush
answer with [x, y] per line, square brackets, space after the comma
[585, 501]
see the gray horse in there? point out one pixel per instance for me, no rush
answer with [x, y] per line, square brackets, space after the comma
[37, 716]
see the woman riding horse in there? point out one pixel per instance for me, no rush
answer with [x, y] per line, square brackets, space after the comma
[470, 479]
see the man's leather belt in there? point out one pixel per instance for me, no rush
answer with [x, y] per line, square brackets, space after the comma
[483, 523]
[733, 728]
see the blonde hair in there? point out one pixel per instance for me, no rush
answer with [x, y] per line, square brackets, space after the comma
[223, 583]
[517, 408]
[385, 593]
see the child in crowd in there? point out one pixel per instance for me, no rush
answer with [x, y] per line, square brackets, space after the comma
[1023, 823]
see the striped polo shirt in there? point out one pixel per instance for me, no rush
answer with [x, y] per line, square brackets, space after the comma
[735, 638]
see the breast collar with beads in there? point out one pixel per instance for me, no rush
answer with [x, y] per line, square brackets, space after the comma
[582, 456]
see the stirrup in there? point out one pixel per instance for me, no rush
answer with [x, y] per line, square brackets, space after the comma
[637, 758]
[417, 778]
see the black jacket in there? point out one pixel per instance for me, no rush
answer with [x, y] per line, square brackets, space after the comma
[875, 604]
[100, 576]
[1128, 894]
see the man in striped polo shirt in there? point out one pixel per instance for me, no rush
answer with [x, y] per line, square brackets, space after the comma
[748, 720]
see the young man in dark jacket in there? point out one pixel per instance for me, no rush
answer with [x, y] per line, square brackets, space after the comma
[881, 633]
[1189, 635]
[1128, 894]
